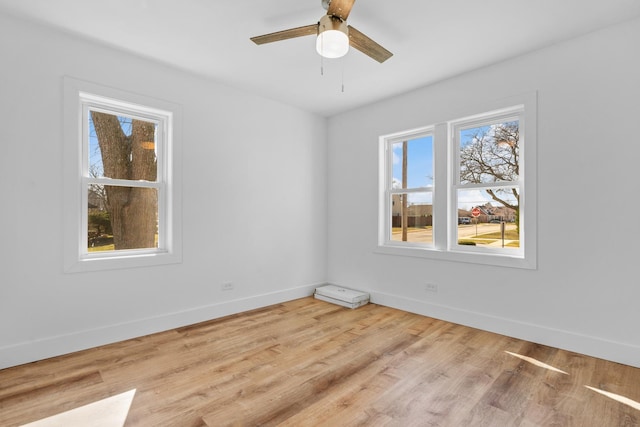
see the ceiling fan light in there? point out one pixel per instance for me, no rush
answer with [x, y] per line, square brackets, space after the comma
[333, 38]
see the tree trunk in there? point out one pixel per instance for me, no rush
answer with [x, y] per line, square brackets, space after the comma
[132, 210]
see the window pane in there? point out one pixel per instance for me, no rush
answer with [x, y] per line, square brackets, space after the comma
[412, 217]
[486, 228]
[490, 153]
[121, 147]
[132, 210]
[417, 171]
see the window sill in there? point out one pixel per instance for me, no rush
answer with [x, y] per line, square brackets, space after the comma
[120, 262]
[456, 256]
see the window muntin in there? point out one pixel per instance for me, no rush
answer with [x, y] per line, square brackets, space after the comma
[409, 185]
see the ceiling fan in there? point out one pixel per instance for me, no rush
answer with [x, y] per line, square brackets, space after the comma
[334, 36]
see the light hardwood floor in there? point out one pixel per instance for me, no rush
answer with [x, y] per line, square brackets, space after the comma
[311, 363]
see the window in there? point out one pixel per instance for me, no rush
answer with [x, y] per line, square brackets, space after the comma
[410, 195]
[462, 190]
[121, 183]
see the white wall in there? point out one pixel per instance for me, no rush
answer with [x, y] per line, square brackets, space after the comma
[254, 202]
[250, 163]
[585, 294]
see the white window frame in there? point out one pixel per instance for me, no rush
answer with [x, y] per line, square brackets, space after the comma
[446, 178]
[509, 114]
[390, 191]
[80, 98]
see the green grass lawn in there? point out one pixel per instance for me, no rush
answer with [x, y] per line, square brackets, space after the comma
[508, 235]
[488, 238]
[110, 247]
[105, 243]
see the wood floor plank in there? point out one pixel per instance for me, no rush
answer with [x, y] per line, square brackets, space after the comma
[68, 393]
[310, 363]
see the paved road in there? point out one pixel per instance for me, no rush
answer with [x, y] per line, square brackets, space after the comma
[465, 231]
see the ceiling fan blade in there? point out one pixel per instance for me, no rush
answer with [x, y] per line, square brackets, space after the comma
[367, 46]
[340, 8]
[291, 33]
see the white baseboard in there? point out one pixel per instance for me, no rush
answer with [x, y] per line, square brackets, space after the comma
[31, 351]
[584, 344]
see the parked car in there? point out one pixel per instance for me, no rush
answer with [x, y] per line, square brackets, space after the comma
[464, 220]
[495, 221]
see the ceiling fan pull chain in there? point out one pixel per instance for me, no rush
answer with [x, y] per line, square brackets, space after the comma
[321, 57]
[343, 61]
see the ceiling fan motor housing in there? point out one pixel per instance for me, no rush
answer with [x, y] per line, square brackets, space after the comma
[333, 37]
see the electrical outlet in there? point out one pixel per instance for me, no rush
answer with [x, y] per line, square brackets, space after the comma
[431, 287]
[227, 286]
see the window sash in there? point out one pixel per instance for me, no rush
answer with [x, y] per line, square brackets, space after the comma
[515, 113]
[389, 191]
[455, 127]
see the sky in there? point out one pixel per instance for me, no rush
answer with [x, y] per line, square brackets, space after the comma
[419, 162]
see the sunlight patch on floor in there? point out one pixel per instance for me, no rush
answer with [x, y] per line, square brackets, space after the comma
[619, 398]
[109, 412]
[536, 362]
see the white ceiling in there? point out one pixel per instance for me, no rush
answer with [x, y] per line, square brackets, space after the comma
[431, 39]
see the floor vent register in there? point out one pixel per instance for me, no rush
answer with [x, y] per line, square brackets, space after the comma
[342, 296]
